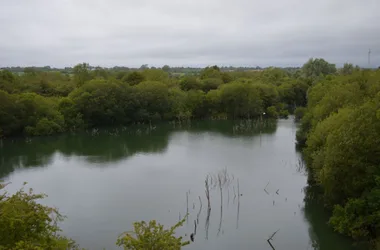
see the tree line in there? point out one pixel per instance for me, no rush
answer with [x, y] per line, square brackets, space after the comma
[340, 136]
[48, 102]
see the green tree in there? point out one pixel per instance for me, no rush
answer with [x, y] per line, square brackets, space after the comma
[156, 75]
[347, 69]
[211, 72]
[10, 115]
[177, 102]
[72, 116]
[81, 73]
[166, 68]
[317, 67]
[152, 236]
[153, 100]
[8, 81]
[100, 103]
[134, 78]
[210, 84]
[190, 83]
[241, 100]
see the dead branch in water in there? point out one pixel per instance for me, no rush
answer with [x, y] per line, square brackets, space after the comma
[233, 187]
[187, 205]
[265, 189]
[200, 209]
[271, 238]
[207, 222]
[220, 188]
[207, 192]
[221, 203]
[228, 196]
[270, 244]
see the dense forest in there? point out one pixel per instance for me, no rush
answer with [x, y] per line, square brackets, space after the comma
[340, 136]
[39, 102]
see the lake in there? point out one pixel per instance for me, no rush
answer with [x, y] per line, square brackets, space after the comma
[103, 181]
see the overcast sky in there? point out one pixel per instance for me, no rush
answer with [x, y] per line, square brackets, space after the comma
[188, 32]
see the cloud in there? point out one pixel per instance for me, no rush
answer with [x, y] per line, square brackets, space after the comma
[188, 32]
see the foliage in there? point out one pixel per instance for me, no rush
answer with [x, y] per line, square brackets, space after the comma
[317, 67]
[189, 83]
[153, 236]
[340, 129]
[133, 78]
[45, 101]
[26, 224]
[241, 100]
[81, 73]
[299, 113]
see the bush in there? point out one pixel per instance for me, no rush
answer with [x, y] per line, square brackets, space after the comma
[152, 236]
[26, 224]
[284, 113]
[272, 112]
[299, 113]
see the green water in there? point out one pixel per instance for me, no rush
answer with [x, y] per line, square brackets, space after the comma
[105, 180]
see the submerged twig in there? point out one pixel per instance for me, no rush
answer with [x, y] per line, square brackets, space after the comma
[207, 222]
[271, 238]
[265, 189]
[207, 192]
[221, 204]
[187, 205]
[228, 196]
[234, 194]
[270, 244]
[200, 209]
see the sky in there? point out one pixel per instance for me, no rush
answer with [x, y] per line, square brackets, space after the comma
[130, 33]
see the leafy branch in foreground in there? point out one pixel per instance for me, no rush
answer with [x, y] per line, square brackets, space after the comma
[152, 236]
[26, 224]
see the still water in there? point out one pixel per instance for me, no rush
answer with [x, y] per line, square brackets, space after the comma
[104, 181]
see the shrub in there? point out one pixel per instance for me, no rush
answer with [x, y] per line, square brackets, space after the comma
[152, 236]
[26, 224]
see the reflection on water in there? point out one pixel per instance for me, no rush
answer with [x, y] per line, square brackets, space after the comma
[238, 182]
[110, 145]
[321, 236]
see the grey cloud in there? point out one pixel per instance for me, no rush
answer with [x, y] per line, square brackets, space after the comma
[188, 32]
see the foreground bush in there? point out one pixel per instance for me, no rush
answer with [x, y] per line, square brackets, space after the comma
[152, 236]
[27, 225]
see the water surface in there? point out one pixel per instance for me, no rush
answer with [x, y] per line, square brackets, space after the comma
[104, 181]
